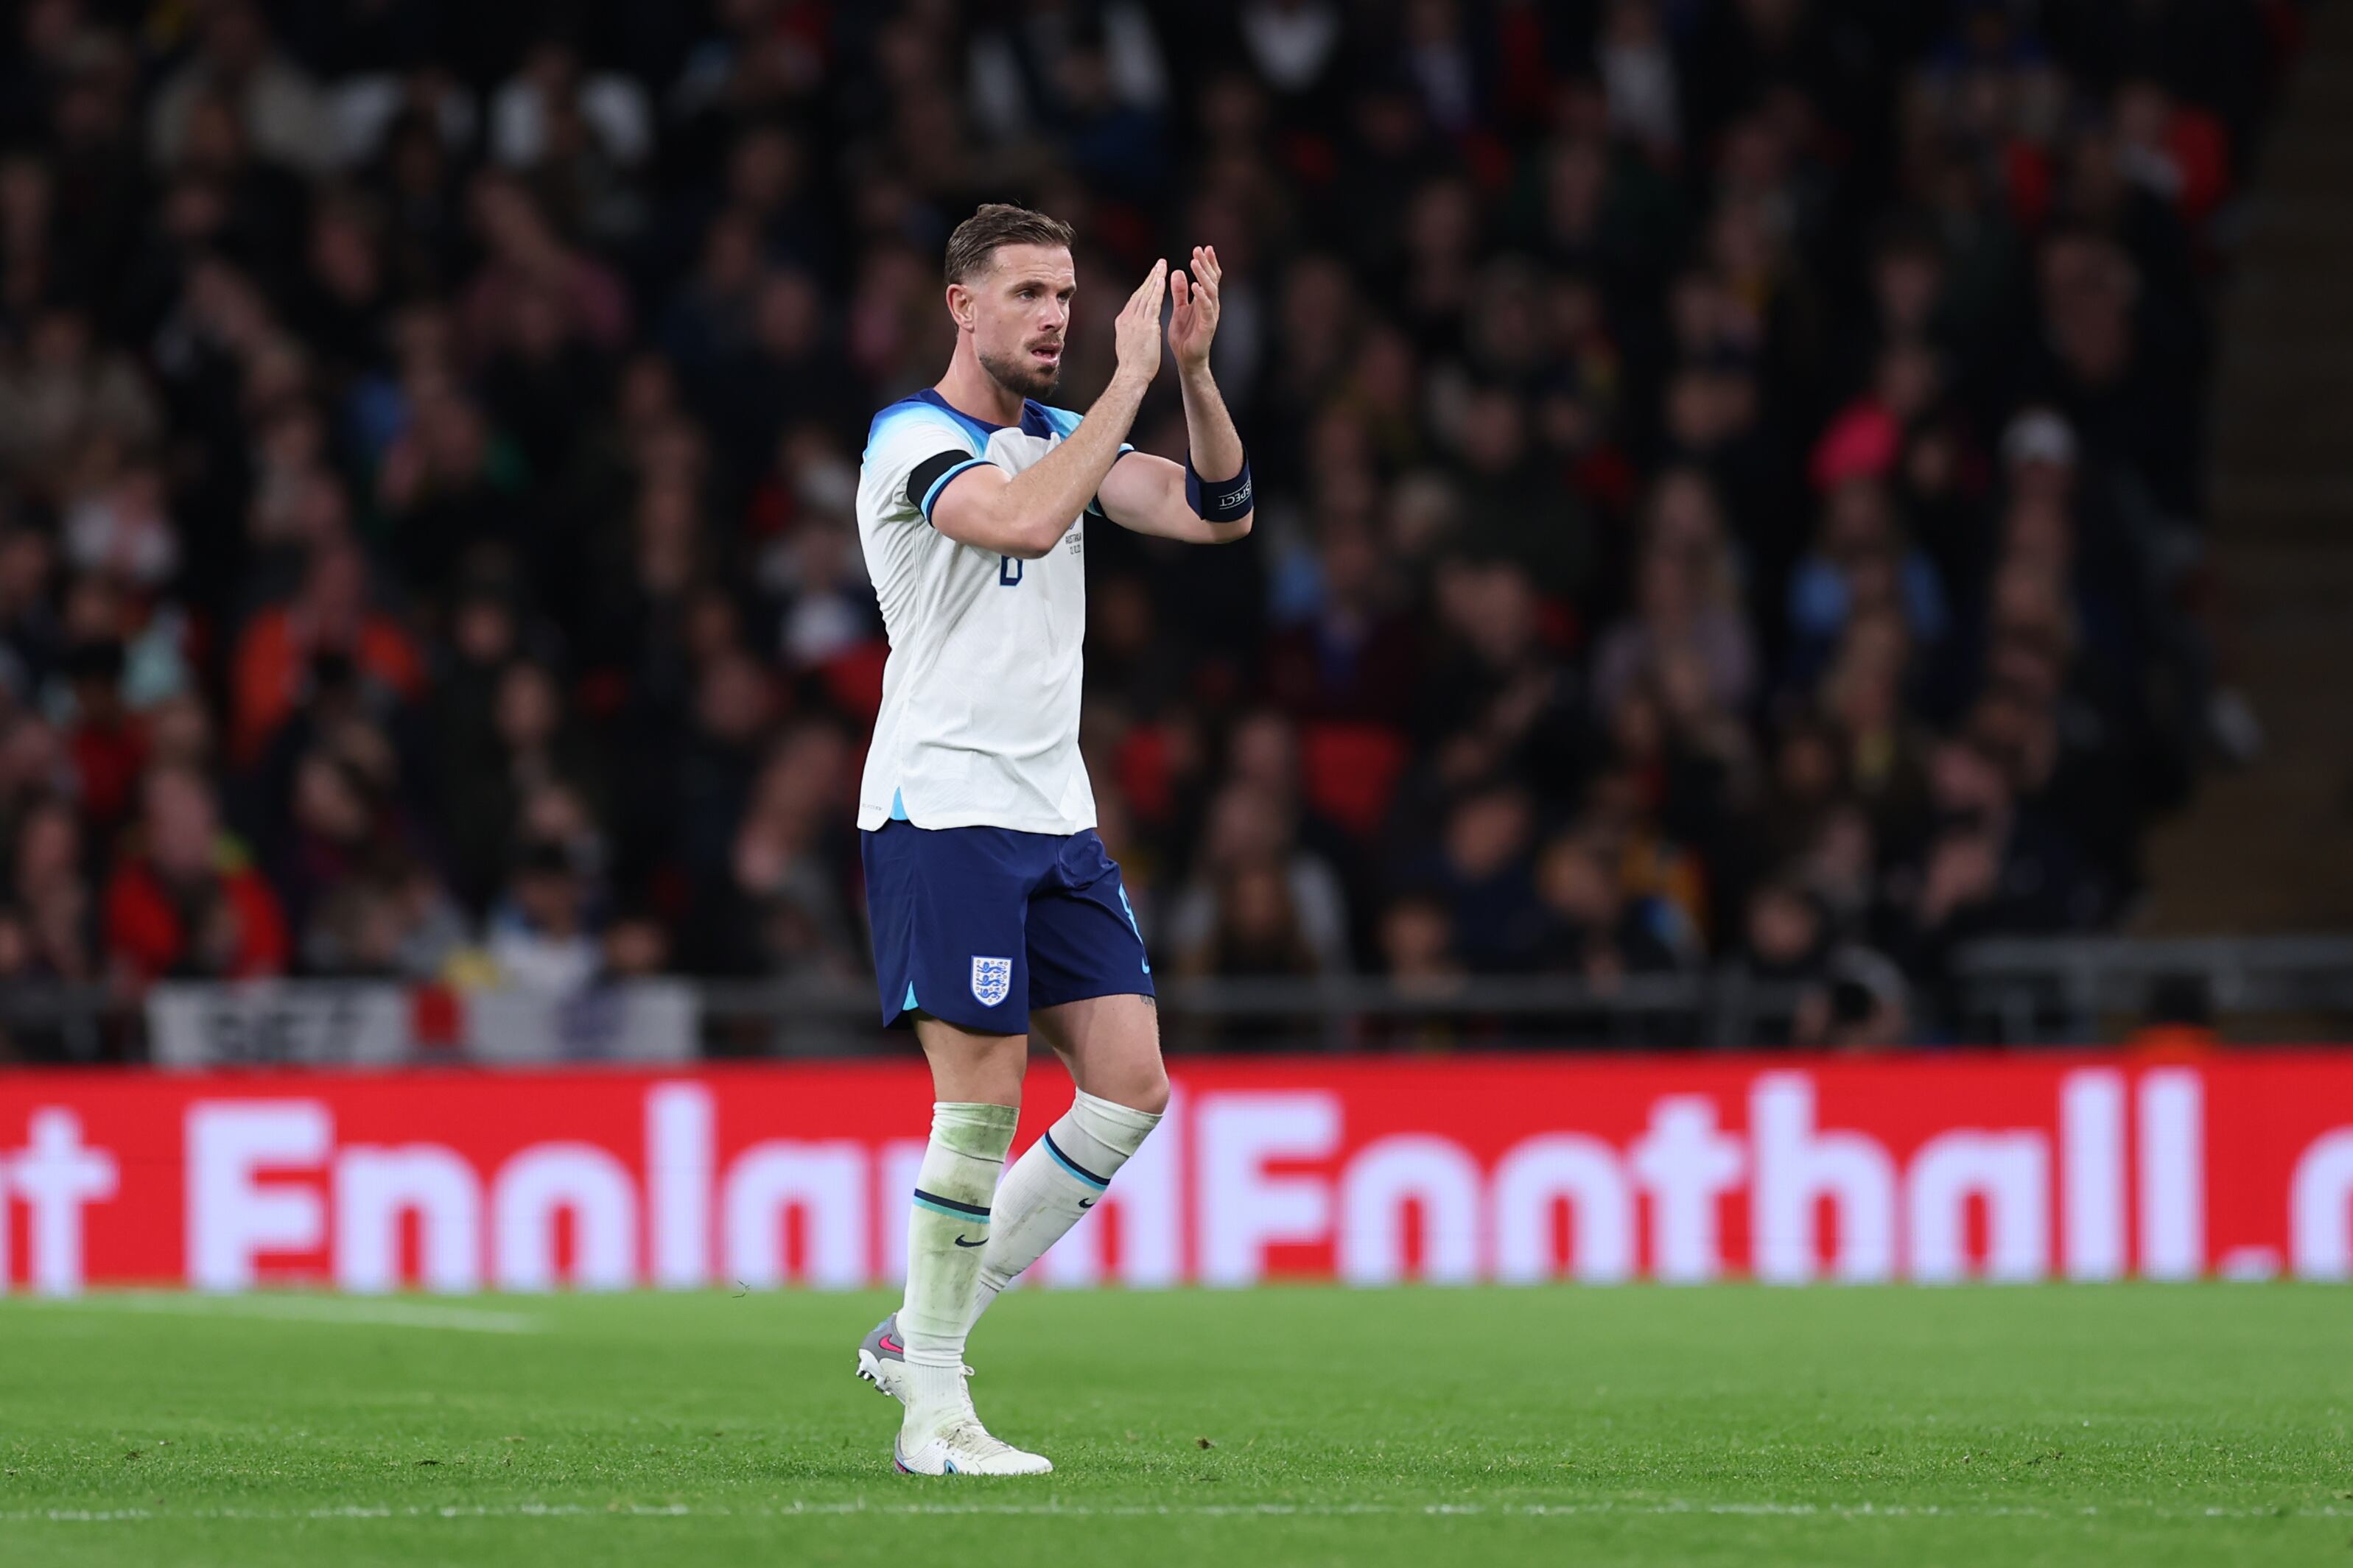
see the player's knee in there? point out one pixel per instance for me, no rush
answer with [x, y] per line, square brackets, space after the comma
[1145, 1087]
[1138, 1082]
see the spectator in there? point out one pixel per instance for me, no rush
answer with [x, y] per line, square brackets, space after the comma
[188, 903]
[31, 639]
[1592, 930]
[529, 744]
[396, 922]
[1860, 562]
[50, 896]
[1786, 938]
[1305, 931]
[1354, 656]
[274, 101]
[1989, 864]
[530, 110]
[525, 255]
[328, 628]
[708, 320]
[1417, 953]
[63, 390]
[1687, 605]
[542, 934]
[447, 483]
[779, 908]
[1482, 866]
[1517, 509]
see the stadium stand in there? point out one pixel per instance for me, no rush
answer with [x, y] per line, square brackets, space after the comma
[1733, 474]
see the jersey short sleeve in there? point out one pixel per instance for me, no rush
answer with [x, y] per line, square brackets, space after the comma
[911, 453]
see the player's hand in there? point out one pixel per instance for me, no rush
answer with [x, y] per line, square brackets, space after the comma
[1139, 327]
[1194, 320]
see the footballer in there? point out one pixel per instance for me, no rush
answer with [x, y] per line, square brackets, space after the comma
[994, 907]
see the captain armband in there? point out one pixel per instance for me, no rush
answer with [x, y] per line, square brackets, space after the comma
[1218, 500]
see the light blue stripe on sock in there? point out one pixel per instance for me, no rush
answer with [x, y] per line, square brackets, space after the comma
[1063, 1161]
[971, 1219]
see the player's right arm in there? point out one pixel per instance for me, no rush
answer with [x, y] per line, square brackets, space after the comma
[1024, 515]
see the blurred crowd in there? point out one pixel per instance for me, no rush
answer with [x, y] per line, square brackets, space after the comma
[1730, 473]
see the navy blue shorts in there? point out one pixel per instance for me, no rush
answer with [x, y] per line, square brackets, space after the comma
[979, 925]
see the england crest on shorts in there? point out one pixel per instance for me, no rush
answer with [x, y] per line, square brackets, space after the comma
[992, 979]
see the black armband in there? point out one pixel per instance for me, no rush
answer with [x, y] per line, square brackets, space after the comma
[926, 478]
[1218, 500]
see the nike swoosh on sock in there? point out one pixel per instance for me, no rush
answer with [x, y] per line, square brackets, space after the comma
[962, 1242]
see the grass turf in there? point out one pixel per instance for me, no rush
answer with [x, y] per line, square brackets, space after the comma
[2192, 1425]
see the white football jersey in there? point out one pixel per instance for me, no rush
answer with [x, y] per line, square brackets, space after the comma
[979, 725]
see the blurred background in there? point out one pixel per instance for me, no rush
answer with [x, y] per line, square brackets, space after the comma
[1782, 522]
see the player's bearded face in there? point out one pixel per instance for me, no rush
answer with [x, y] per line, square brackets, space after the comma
[1023, 324]
[1021, 373]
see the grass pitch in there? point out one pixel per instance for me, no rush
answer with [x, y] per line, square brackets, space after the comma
[2197, 1425]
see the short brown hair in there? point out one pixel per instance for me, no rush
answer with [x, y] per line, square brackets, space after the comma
[974, 244]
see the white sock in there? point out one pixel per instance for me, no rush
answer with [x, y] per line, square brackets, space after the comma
[949, 1229]
[935, 1396]
[1052, 1185]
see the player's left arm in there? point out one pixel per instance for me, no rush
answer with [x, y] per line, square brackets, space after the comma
[1209, 501]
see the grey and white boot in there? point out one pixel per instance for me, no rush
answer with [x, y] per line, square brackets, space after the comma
[882, 1359]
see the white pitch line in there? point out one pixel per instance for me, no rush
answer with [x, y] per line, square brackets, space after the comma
[359, 1313]
[1668, 1508]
